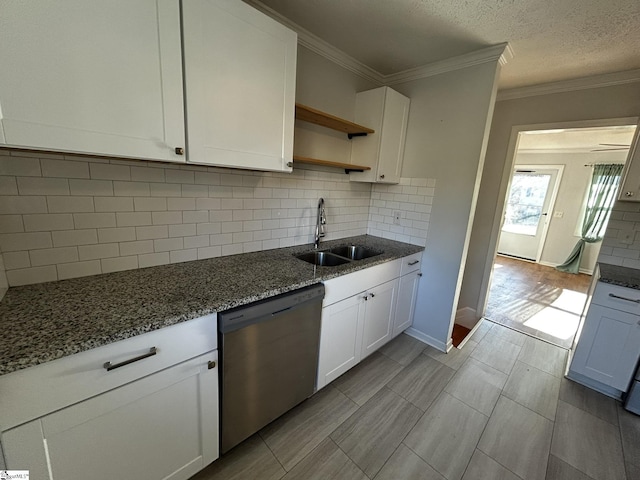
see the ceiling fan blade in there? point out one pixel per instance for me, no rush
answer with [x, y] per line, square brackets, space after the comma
[614, 149]
[614, 144]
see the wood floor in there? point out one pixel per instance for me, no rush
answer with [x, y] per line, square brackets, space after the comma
[536, 299]
[498, 408]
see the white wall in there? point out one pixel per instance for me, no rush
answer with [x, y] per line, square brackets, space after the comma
[447, 130]
[581, 105]
[561, 234]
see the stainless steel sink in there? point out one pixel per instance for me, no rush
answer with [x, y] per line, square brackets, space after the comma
[354, 252]
[323, 259]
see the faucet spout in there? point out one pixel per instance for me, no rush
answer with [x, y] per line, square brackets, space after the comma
[321, 221]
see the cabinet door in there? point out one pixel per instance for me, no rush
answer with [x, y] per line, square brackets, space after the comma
[340, 338]
[630, 187]
[93, 77]
[609, 347]
[387, 112]
[162, 426]
[380, 309]
[406, 303]
[240, 86]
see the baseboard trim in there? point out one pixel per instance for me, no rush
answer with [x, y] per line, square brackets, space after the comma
[594, 385]
[424, 338]
[466, 317]
[582, 270]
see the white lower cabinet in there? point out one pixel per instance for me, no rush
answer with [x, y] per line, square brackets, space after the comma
[608, 347]
[363, 311]
[380, 307]
[406, 304]
[164, 426]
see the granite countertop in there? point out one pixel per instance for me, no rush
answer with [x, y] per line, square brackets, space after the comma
[46, 321]
[618, 275]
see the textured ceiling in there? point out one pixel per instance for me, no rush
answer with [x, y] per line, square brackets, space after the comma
[552, 39]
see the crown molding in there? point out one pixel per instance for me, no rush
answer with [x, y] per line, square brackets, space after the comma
[584, 83]
[501, 52]
[319, 46]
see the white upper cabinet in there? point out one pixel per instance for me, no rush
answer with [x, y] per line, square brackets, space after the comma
[240, 68]
[630, 187]
[91, 76]
[387, 112]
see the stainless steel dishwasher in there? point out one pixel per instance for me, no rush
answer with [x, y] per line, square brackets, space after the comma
[268, 360]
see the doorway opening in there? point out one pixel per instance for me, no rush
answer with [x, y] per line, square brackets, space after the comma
[543, 215]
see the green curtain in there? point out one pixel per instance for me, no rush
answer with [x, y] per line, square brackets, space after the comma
[602, 195]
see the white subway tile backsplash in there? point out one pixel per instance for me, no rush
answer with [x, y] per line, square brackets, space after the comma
[178, 256]
[107, 171]
[153, 259]
[182, 230]
[91, 187]
[113, 204]
[64, 168]
[78, 269]
[94, 220]
[151, 204]
[21, 205]
[25, 276]
[118, 234]
[15, 260]
[8, 186]
[151, 233]
[70, 204]
[166, 218]
[12, 224]
[131, 189]
[136, 247]
[133, 219]
[121, 214]
[119, 264]
[20, 166]
[66, 238]
[53, 256]
[15, 242]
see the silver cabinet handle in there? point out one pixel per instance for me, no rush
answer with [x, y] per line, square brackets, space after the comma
[211, 365]
[624, 298]
[419, 274]
[414, 262]
[372, 295]
[179, 151]
[109, 366]
[366, 297]
[628, 194]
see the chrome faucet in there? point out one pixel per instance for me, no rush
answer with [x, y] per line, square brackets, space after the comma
[321, 221]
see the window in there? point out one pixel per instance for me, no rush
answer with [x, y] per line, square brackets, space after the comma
[526, 199]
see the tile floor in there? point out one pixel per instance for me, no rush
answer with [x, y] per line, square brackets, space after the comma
[497, 409]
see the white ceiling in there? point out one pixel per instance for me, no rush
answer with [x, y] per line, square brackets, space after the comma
[584, 140]
[552, 40]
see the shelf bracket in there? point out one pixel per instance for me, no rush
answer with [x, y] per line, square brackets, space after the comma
[358, 134]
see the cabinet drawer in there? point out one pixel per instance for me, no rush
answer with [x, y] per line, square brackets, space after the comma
[411, 263]
[339, 288]
[619, 298]
[71, 379]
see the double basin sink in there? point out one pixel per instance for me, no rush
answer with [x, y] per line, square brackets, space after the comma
[332, 257]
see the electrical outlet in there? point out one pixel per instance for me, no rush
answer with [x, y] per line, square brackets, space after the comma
[626, 236]
[396, 218]
[558, 214]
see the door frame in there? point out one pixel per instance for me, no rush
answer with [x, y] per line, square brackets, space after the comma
[552, 202]
[512, 148]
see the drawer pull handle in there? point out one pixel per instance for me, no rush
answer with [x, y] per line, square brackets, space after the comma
[612, 295]
[109, 366]
[414, 262]
[211, 365]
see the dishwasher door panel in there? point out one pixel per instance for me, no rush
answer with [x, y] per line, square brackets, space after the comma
[268, 367]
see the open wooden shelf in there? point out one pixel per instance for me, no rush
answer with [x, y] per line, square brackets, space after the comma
[348, 167]
[312, 115]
